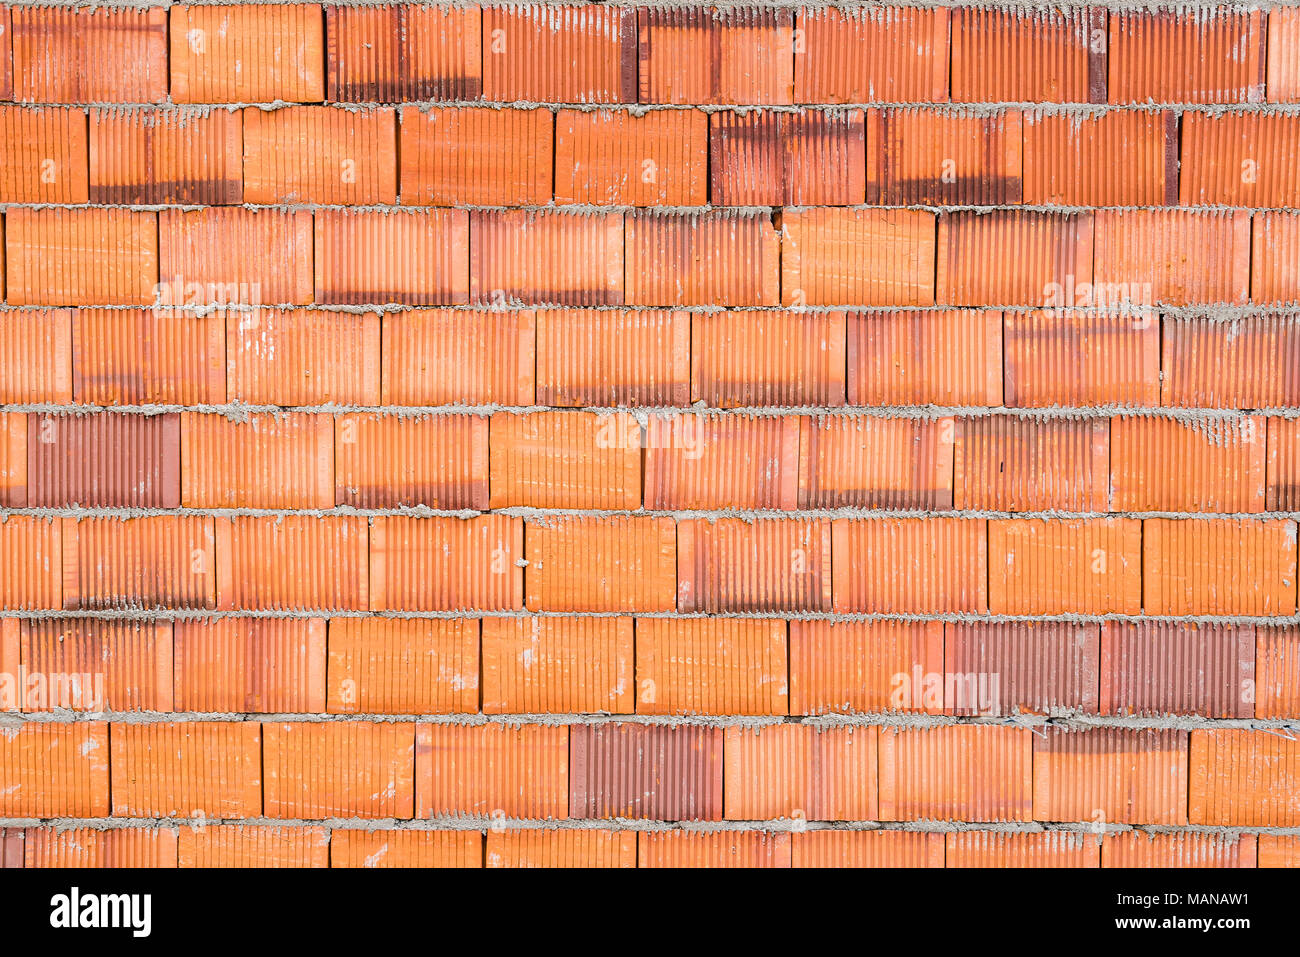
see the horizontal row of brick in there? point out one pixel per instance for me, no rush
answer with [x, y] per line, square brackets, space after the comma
[572, 459]
[251, 845]
[1122, 260]
[590, 53]
[966, 772]
[654, 666]
[598, 358]
[485, 156]
[930, 565]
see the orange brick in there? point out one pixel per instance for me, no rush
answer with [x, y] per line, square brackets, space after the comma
[89, 56]
[1283, 64]
[1244, 778]
[870, 462]
[235, 256]
[11, 838]
[352, 848]
[866, 666]
[1178, 257]
[403, 666]
[565, 460]
[560, 54]
[89, 664]
[1028, 55]
[466, 156]
[601, 564]
[166, 155]
[716, 258]
[37, 344]
[257, 665]
[478, 560]
[910, 565]
[561, 848]
[557, 665]
[1277, 671]
[1162, 667]
[1219, 567]
[293, 562]
[1055, 566]
[1283, 481]
[765, 358]
[1041, 849]
[1169, 56]
[266, 461]
[492, 769]
[1221, 464]
[867, 849]
[302, 357]
[892, 55]
[591, 358]
[1239, 159]
[800, 772]
[43, 155]
[1116, 158]
[1278, 850]
[1010, 464]
[1108, 775]
[1247, 363]
[88, 847]
[691, 849]
[54, 770]
[158, 561]
[404, 52]
[711, 666]
[136, 356]
[339, 769]
[619, 158]
[202, 768]
[31, 561]
[13, 460]
[947, 357]
[546, 257]
[943, 157]
[764, 565]
[1181, 849]
[1275, 257]
[1073, 358]
[412, 257]
[810, 158]
[453, 356]
[1013, 257]
[247, 54]
[384, 461]
[964, 773]
[704, 55]
[7, 93]
[320, 154]
[866, 257]
[80, 256]
[714, 461]
[253, 845]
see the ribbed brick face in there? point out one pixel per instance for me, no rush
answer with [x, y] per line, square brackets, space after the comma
[646, 435]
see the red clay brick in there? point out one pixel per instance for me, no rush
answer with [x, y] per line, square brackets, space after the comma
[965, 772]
[557, 665]
[1169, 56]
[257, 665]
[1010, 257]
[1028, 56]
[88, 847]
[1009, 464]
[545, 257]
[43, 155]
[646, 771]
[451, 356]
[247, 53]
[38, 344]
[1183, 849]
[476, 157]
[352, 848]
[89, 664]
[339, 769]
[1282, 488]
[1221, 465]
[245, 845]
[559, 54]
[865, 461]
[910, 565]
[403, 666]
[810, 158]
[863, 257]
[1073, 358]
[800, 772]
[1000, 849]
[403, 52]
[157, 561]
[1277, 671]
[1244, 778]
[266, 461]
[1218, 567]
[867, 849]
[707, 55]
[601, 564]
[320, 154]
[1110, 775]
[291, 562]
[567, 848]
[104, 460]
[764, 565]
[565, 459]
[592, 358]
[1061, 566]
[166, 155]
[70, 257]
[788, 358]
[31, 559]
[866, 666]
[13, 460]
[712, 461]
[1004, 668]
[479, 557]
[1159, 668]
[302, 357]
[711, 666]
[934, 157]
[89, 56]
[201, 768]
[1247, 363]
[234, 256]
[494, 770]
[717, 258]
[945, 357]
[692, 849]
[1171, 256]
[384, 461]
[619, 158]
[55, 770]
[1117, 158]
[412, 257]
[891, 55]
